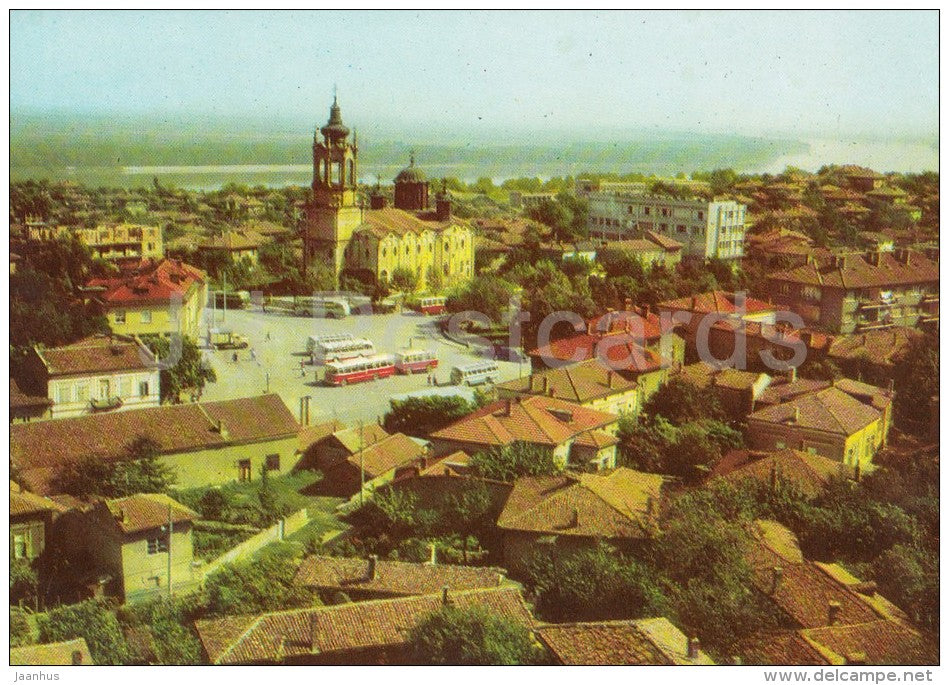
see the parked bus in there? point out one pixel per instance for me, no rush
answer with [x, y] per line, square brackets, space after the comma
[475, 374]
[314, 340]
[411, 361]
[357, 370]
[432, 305]
[340, 350]
[331, 308]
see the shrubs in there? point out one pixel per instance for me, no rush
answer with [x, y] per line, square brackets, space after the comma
[93, 620]
[20, 632]
[257, 586]
[508, 462]
[424, 415]
[471, 637]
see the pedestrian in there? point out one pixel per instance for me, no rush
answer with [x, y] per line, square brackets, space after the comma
[302, 369]
[253, 354]
[234, 358]
[267, 337]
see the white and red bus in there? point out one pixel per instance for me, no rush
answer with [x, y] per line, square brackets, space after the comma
[413, 361]
[357, 370]
[431, 305]
[341, 350]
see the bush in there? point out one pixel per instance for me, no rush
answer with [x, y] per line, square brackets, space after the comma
[421, 416]
[20, 632]
[471, 637]
[24, 583]
[508, 462]
[93, 620]
[257, 586]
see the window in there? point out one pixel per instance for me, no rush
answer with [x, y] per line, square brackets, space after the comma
[272, 462]
[82, 392]
[158, 545]
[243, 470]
[143, 389]
[701, 215]
[21, 543]
[63, 393]
[147, 316]
[120, 317]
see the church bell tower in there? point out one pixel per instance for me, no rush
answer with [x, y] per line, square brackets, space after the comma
[333, 213]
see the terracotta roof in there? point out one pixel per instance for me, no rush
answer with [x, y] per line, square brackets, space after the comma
[855, 171]
[534, 419]
[392, 577]
[97, 354]
[651, 242]
[620, 504]
[705, 375]
[716, 301]
[393, 451]
[342, 628]
[580, 383]
[642, 642]
[782, 390]
[878, 642]
[831, 410]
[810, 473]
[455, 464]
[22, 400]
[69, 653]
[356, 438]
[146, 511]
[310, 435]
[23, 503]
[398, 221]
[779, 648]
[233, 241]
[41, 449]
[148, 283]
[854, 271]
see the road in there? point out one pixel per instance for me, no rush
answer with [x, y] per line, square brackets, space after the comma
[277, 341]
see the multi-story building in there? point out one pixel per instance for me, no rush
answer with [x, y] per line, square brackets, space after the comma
[154, 299]
[860, 292]
[347, 236]
[114, 243]
[99, 373]
[707, 230]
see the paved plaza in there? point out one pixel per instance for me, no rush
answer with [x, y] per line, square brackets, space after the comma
[277, 343]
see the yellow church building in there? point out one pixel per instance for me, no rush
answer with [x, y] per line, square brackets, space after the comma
[342, 232]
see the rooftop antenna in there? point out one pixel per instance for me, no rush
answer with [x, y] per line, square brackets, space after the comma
[335, 89]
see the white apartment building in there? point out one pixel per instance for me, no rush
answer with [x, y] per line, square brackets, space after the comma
[707, 230]
[97, 374]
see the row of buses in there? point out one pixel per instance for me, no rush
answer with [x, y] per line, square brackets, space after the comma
[352, 360]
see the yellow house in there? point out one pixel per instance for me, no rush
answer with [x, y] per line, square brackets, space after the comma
[156, 298]
[845, 426]
[240, 246]
[140, 542]
[590, 384]
[116, 242]
[207, 443]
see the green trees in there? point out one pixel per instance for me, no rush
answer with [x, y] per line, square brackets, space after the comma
[257, 586]
[141, 471]
[509, 462]
[566, 215]
[471, 637]
[188, 374]
[486, 294]
[680, 402]
[916, 382]
[594, 584]
[24, 583]
[403, 280]
[93, 620]
[421, 416]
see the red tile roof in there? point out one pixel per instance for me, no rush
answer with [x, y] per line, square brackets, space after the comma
[22, 400]
[392, 577]
[137, 513]
[620, 504]
[41, 449]
[580, 383]
[149, 283]
[233, 241]
[809, 473]
[716, 301]
[779, 648]
[878, 642]
[831, 410]
[856, 271]
[97, 354]
[398, 221]
[23, 503]
[72, 652]
[642, 642]
[392, 452]
[883, 346]
[534, 419]
[340, 629]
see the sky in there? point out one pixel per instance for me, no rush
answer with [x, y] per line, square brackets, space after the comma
[805, 73]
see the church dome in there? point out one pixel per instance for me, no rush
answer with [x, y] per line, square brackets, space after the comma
[334, 127]
[411, 174]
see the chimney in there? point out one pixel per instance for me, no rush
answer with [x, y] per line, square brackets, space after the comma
[609, 379]
[589, 328]
[575, 521]
[833, 612]
[777, 574]
[500, 579]
[546, 385]
[792, 374]
[856, 471]
[443, 204]
[797, 414]
[806, 338]
[445, 596]
[77, 658]
[857, 659]
[692, 648]
[373, 559]
[507, 408]
[904, 257]
[222, 429]
[650, 507]
[431, 554]
[628, 304]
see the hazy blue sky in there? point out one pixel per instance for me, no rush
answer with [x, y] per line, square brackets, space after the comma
[743, 72]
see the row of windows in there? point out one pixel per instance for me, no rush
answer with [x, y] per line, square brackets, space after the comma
[145, 316]
[105, 389]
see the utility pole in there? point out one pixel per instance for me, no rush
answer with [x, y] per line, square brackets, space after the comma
[224, 317]
[170, 531]
[362, 468]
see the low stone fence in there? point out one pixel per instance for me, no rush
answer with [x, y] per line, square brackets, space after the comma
[277, 532]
